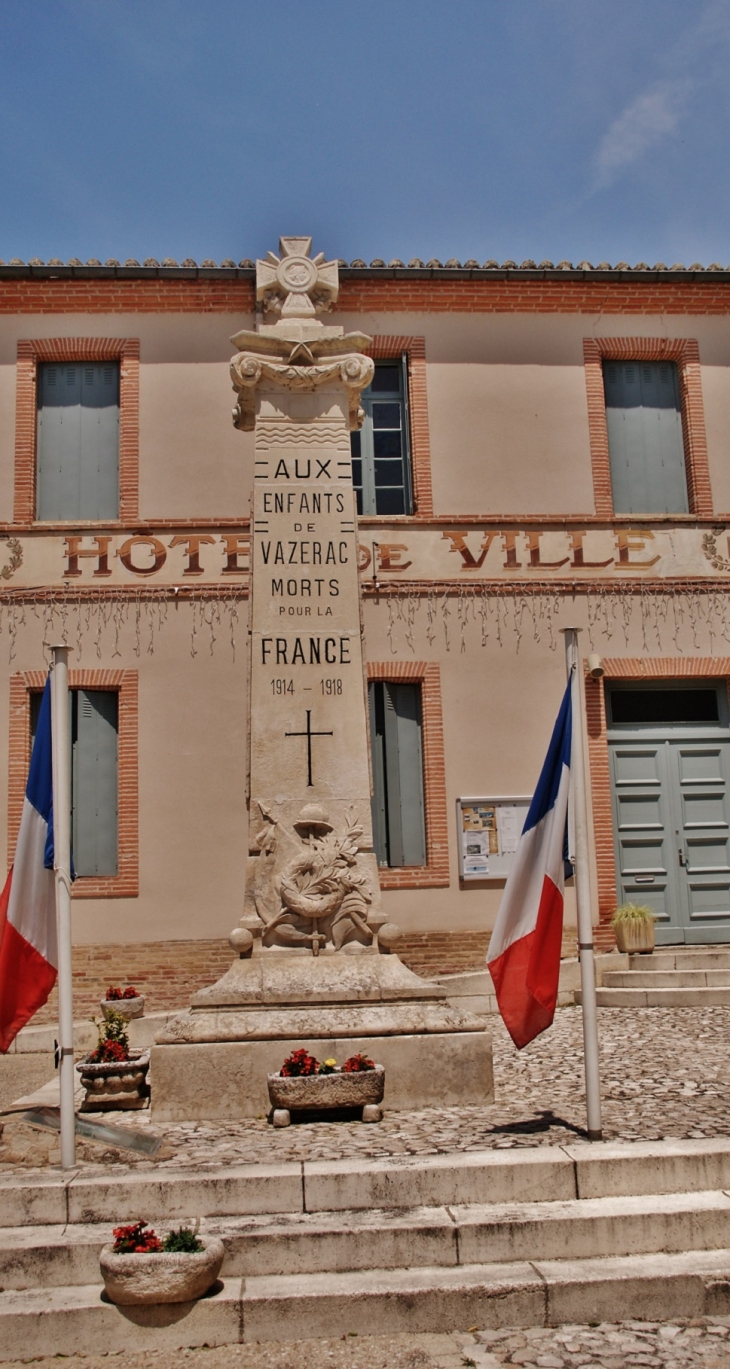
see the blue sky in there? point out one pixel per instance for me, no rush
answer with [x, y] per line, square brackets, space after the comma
[594, 129]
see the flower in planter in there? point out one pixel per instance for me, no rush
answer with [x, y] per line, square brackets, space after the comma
[328, 1067]
[113, 1045]
[356, 1063]
[139, 1239]
[299, 1064]
[136, 1239]
[115, 992]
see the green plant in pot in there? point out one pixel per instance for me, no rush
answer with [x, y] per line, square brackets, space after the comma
[633, 924]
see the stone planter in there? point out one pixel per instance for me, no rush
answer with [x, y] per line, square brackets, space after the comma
[116, 1087]
[163, 1276]
[126, 1007]
[635, 937]
[324, 1092]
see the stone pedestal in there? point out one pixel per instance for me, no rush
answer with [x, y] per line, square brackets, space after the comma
[316, 964]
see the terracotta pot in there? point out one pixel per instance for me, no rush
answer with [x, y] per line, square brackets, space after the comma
[635, 937]
[163, 1276]
[116, 1087]
[339, 1090]
[126, 1007]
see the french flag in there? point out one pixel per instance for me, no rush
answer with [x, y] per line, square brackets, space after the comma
[524, 952]
[28, 939]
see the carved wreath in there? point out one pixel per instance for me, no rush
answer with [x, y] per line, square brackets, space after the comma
[15, 559]
[709, 547]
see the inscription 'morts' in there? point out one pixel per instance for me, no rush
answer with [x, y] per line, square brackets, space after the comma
[305, 589]
[305, 651]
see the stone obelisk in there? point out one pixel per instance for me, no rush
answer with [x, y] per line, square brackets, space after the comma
[316, 960]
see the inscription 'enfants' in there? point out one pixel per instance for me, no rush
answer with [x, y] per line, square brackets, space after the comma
[304, 501]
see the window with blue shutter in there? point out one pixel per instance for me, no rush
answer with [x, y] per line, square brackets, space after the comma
[381, 465]
[645, 442]
[94, 778]
[78, 441]
[399, 822]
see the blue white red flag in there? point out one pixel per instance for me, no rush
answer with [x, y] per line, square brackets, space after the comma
[524, 952]
[28, 940]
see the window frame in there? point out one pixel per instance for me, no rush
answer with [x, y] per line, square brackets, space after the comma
[81, 469]
[125, 884]
[366, 437]
[392, 833]
[685, 353]
[30, 354]
[386, 347]
[435, 873]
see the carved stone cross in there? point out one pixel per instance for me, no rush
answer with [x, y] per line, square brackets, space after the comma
[295, 284]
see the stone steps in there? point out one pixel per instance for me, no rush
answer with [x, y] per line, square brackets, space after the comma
[660, 998]
[690, 977]
[424, 1243]
[666, 979]
[77, 1320]
[309, 1243]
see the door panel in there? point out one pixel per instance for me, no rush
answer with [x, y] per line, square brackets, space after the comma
[643, 831]
[672, 833]
[703, 836]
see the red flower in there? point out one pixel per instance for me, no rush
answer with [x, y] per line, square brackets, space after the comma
[135, 1239]
[298, 1064]
[356, 1063]
[130, 993]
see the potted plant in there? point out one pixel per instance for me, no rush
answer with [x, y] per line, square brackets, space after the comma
[304, 1085]
[633, 924]
[114, 1077]
[140, 1268]
[128, 1002]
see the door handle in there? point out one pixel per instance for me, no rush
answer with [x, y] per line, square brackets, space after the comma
[681, 856]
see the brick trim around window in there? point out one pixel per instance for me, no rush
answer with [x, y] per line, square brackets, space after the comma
[30, 353]
[435, 873]
[629, 668]
[685, 352]
[383, 348]
[125, 884]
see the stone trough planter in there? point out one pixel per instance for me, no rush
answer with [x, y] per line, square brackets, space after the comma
[163, 1276]
[325, 1092]
[116, 1087]
[126, 1007]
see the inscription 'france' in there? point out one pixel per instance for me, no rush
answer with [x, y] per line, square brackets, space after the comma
[305, 650]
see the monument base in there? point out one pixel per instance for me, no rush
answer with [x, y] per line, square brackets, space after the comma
[223, 1080]
[211, 1062]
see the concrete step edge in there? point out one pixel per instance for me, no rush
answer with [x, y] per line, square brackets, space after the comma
[585, 1170]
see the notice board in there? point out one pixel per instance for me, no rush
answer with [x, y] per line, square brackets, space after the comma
[488, 830]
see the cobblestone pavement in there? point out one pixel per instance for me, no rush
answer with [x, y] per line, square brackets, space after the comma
[665, 1073]
[704, 1342]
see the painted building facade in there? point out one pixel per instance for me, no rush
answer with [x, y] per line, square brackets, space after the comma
[542, 447]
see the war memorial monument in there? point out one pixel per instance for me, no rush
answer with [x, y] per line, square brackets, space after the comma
[316, 959]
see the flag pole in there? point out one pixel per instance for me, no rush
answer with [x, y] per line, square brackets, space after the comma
[61, 752]
[583, 892]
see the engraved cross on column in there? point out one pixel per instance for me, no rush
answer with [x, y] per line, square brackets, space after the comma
[308, 733]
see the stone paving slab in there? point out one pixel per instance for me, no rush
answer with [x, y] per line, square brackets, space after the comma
[665, 1073]
[702, 1343]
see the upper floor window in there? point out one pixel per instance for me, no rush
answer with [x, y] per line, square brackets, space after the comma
[645, 441]
[78, 441]
[399, 826]
[94, 778]
[381, 465]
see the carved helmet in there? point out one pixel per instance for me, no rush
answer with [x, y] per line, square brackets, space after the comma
[313, 818]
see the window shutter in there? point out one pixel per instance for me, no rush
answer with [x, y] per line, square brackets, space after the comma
[95, 785]
[377, 744]
[404, 774]
[646, 448]
[78, 441]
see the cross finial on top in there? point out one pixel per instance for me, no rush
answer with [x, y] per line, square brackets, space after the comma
[296, 284]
